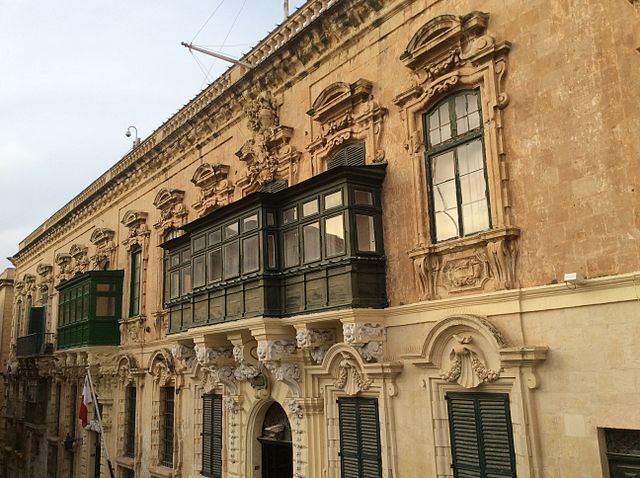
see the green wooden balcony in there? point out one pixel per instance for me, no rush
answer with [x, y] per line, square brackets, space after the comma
[89, 310]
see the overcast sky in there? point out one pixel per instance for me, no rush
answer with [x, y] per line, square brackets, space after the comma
[75, 74]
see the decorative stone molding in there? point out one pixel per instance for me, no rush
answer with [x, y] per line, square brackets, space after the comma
[173, 213]
[126, 369]
[45, 271]
[65, 270]
[162, 368]
[136, 222]
[208, 356]
[316, 341]
[267, 153]
[278, 356]
[451, 53]
[367, 338]
[484, 262]
[160, 323]
[29, 286]
[216, 190]
[467, 368]
[132, 330]
[80, 260]
[295, 409]
[347, 113]
[102, 239]
[183, 355]
[232, 405]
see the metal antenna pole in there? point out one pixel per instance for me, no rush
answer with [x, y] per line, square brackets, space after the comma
[97, 408]
[286, 9]
[220, 56]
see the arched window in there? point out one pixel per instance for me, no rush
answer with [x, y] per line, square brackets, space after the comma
[457, 179]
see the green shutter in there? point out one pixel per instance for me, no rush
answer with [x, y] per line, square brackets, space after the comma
[36, 320]
[481, 435]
[360, 455]
[212, 435]
[352, 155]
[275, 186]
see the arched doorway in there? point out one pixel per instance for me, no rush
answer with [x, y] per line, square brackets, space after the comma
[275, 439]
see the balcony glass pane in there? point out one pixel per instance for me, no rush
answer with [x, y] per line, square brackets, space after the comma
[199, 277]
[334, 235]
[185, 276]
[214, 268]
[271, 251]
[310, 208]
[290, 215]
[365, 233]
[231, 260]
[311, 242]
[333, 200]
[105, 306]
[363, 198]
[291, 251]
[250, 223]
[231, 230]
[250, 254]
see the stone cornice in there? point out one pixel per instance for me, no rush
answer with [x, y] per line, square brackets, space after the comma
[282, 58]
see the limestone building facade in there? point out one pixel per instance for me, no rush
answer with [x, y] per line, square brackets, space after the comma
[349, 260]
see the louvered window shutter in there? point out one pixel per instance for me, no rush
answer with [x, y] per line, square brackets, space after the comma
[36, 320]
[275, 186]
[481, 435]
[352, 155]
[360, 454]
[212, 435]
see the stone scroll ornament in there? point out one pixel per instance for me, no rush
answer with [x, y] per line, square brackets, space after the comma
[467, 369]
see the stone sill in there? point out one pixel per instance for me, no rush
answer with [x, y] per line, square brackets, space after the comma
[467, 242]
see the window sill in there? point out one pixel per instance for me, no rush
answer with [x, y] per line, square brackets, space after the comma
[482, 262]
[125, 461]
[160, 471]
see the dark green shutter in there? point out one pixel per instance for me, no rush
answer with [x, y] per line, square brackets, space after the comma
[352, 155]
[275, 186]
[36, 320]
[481, 435]
[212, 435]
[360, 455]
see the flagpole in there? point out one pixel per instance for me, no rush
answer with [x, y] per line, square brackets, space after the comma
[97, 408]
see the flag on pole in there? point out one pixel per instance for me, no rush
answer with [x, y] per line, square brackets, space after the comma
[85, 401]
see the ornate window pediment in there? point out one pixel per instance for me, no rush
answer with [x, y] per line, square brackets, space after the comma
[215, 188]
[102, 239]
[63, 261]
[136, 222]
[268, 154]
[347, 113]
[448, 54]
[80, 261]
[173, 214]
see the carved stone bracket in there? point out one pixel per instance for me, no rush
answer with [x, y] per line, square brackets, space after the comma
[216, 190]
[278, 356]
[484, 262]
[102, 239]
[267, 153]
[173, 213]
[316, 342]
[347, 113]
[367, 338]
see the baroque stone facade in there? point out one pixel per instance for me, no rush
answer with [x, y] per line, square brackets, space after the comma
[512, 120]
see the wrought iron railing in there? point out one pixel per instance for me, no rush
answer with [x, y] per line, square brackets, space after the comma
[35, 344]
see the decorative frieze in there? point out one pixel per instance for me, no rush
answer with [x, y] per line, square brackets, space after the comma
[216, 190]
[347, 113]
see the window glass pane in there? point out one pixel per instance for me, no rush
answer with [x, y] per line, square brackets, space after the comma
[475, 216]
[334, 235]
[290, 215]
[231, 230]
[309, 208]
[198, 271]
[467, 112]
[199, 243]
[445, 122]
[174, 259]
[175, 285]
[271, 219]
[214, 268]
[363, 198]
[185, 256]
[186, 280]
[333, 200]
[447, 224]
[250, 223]
[271, 251]
[250, 254]
[365, 233]
[291, 252]
[215, 236]
[99, 288]
[105, 306]
[442, 167]
[231, 260]
[311, 242]
[470, 157]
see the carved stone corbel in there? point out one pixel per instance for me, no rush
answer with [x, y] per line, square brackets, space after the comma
[316, 341]
[367, 338]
